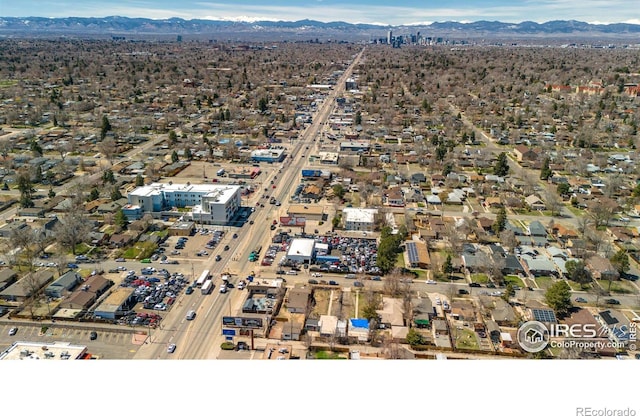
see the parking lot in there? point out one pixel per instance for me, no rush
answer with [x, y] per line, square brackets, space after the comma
[111, 343]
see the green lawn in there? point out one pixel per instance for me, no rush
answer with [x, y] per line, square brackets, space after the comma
[514, 280]
[578, 286]
[544, 282]
[326, 355]
[400, 260]
[576, 211]
[480, 278]
[620, 286]
[466, 338]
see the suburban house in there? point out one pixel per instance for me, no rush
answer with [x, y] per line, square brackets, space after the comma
[27, 286]
[534, 203]
[524, 153]
[63, 285]
[7, 278]
[298, 300]
[503, 313]
[601, 268]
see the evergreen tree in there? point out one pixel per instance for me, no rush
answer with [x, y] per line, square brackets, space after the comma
[501, 168]
[501, 221]
[104, 127]
[545, 171]
[558, 297]
[120, 219]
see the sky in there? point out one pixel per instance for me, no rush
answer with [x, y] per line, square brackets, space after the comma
[386, 12]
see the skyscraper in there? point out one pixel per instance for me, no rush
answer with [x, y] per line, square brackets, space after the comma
[389, 37]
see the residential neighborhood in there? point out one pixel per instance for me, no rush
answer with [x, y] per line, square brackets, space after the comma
[345, 199]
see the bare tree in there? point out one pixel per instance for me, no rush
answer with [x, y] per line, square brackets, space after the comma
[74, 227]
[554, 203]
[508, 240]
[24, 238]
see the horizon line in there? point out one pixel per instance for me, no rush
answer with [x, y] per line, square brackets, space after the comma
[246, 19]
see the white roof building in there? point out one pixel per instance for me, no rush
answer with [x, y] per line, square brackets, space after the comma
[359, 219]
[211, 203]
[301, 250]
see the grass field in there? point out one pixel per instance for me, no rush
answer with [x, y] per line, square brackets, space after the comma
[466, 338]
[544, 282]
[480, 278]
[514, 280]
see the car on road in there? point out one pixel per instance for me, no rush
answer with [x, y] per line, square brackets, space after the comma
[463, 292]
[226, 248]
[241, 285]
[191, 315]
[218, 257]
[474, 284]
[491, 286]
[292, 272]
[189, 290]
[13, 330]
[251, 222]
[171, 348]
[72, 265]
[223, 288]
[376, 278]
[234, 236]
[316, 274]
[333, 283]
[313, 281]
[358, 284]
[93, 335]
[145, 261]
[581, 300]
[612, 301]
[431, 282]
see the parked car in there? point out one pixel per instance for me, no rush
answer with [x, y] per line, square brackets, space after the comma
[463, 292]
[358, 284]
[612, 301]
[581, 300]
[333, 283]
[189, 290]
[13, 330]
[93, 335]
[313, 282]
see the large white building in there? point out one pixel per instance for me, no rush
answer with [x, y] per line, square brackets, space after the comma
[359, 219]
[301, 250]
[211, 204]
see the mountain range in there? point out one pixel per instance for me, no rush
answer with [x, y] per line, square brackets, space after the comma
[117, 25]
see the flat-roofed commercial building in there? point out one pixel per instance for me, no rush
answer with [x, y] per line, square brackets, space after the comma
[359, 219]
[211, 203]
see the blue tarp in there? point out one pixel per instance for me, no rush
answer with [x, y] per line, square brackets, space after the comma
[360, 323]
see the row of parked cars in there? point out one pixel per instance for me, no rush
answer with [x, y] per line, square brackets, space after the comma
[155, 289]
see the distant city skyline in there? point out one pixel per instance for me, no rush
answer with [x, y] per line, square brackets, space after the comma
[408, 12]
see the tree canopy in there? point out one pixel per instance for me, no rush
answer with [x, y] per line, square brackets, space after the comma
[558, 297]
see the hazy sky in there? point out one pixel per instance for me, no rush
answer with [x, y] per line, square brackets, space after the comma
[353, 11]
